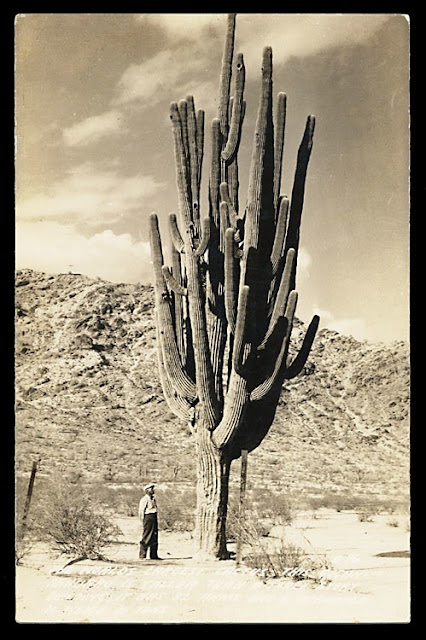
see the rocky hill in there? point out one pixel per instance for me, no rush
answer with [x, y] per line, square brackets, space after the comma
[89, 403]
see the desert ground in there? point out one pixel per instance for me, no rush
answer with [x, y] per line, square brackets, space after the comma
[359, 585]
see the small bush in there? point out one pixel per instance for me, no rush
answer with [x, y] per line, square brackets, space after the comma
[75, 525]
[366, 515]
[282, 560]
[176, 509]
[392, 522]
[270, 505]
[23, 543]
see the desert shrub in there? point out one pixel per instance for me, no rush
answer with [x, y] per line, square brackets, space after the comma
[280, 559]
[366, 514]
[24, 542]
[76, 525]
[120, 500]
[286, 561]
[270, 505]
[349, 502]
[176, 509]
[339, 502]
[235, 527]
[392, 522]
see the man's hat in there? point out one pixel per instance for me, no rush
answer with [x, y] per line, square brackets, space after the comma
[147, 486]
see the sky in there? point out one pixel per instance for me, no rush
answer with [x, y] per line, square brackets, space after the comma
[94, 149]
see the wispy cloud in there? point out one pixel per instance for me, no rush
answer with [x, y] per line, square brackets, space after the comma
[166, 74]
[301, 35]
[90, 194]
[93, 129]
[355, 326]
[186, 26]
[304, 261]
[179, 67]
[55, 248]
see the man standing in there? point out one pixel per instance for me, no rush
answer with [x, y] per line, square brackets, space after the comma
[148, 517]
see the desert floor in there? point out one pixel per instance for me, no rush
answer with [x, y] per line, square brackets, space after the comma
[360, 586]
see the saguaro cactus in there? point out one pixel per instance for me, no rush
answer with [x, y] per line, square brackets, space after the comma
[225, 309]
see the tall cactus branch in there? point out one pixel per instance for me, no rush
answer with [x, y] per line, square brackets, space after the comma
[279, 146]
[179, 379]
[298, 193]
[233, 139]
[176, 238]
[178, 307]
[225, 76]
[193, 162]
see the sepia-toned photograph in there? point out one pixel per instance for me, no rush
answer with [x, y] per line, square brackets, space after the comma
[212, 318]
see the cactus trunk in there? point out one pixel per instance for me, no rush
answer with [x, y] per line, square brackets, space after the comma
[213, 469]
[225, 311]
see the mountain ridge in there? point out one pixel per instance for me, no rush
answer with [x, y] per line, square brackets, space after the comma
[88, 399]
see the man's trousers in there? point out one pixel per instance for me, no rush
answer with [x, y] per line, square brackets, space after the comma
[149, 537]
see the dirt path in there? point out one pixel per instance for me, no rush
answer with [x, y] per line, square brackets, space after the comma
[179, 589]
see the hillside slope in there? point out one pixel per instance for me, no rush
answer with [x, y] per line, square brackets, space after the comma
[89, 402]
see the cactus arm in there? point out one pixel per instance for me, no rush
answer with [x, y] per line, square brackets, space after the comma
[175, 235]
[230, 280]
[263, 389]
[205, 238]
[237, 396]
[232, 173]
[216, 311]
[179, 405]
[215, 275]
[200, 141]
[254, 198]
[299, 361]
[234, 136]
[185, 208]
[172, 283]
[298, 192]
[225, 197]
[183, 112]
[282, 296]
[193, 160]
[225, 74]
[178, 305]
[279, 146]
[204, 372]
[277, 247]
[233, 179]
[224, 224]
[178, 377]
[268, 351]
[240, 343]
[215, 171]
[260, 414]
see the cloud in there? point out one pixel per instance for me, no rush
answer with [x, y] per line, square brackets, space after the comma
[186, 26]
[355, 327]
[90, 194]
[93, 129]
[179, 67]
[304, 261]
[55, 248]
[301, 35]
[163, 75]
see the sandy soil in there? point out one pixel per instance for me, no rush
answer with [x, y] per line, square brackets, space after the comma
[359, 587]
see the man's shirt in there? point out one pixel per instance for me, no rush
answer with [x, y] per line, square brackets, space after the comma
[147, 505]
